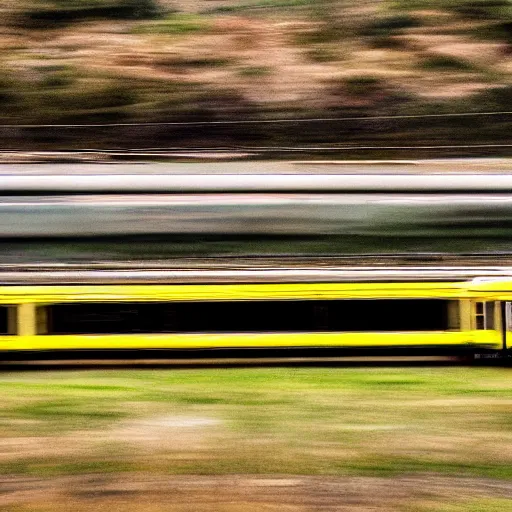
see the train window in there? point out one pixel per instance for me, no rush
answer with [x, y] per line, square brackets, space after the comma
[489, 315]
[508, 316]
[109, 318]
[484, 315]
[454, 314]
[249, 316]
[5, 327]
[388, 315]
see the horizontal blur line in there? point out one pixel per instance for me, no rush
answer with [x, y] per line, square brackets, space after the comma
[36, 365]
[255, 183]
[261, 121]
[269, 275]
[186, 151]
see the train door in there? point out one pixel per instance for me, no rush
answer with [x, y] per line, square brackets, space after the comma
[506, 309]
[496, 318]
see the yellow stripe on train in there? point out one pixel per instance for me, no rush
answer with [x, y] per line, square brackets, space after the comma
[228, 292]
[490, 339]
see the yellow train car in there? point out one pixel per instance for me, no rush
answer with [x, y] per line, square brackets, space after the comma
[420, 317]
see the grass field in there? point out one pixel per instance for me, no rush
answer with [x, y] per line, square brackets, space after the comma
[292, 439]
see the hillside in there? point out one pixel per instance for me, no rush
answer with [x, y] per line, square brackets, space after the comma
[104, 61]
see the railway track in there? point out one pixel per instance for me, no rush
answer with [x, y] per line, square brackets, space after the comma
[39, 364]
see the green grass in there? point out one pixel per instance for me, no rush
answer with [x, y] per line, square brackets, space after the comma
[466, 9]
[260, 5]
[174, 24]
[255, 71]
[471, 505]
[333, 421]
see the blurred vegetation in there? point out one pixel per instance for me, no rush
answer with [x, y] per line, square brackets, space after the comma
[470, 238]
[390, 25]
[492, 9]
[362, 85]
[255, 71]
[471, 8]
[50, 13]
[446, 63]
[150, 61]
[383, 422]
[174, 24]
[260, 5]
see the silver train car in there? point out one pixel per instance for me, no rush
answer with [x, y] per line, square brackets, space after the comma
[163, 215]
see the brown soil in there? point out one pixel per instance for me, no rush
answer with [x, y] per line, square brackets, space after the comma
[139, 492]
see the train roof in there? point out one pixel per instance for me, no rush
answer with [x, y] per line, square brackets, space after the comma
[218, 183]
[448, 175]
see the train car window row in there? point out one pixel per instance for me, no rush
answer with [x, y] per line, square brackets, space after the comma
[249, 316]
[484, 315]
[7, 320]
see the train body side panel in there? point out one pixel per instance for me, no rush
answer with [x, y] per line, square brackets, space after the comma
[30, 300]
[226, 292]
[487, 339]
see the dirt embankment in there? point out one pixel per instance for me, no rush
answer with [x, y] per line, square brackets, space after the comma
[252, 493]
[209, 60]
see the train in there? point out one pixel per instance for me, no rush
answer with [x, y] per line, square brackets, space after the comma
[281, 310]
[456, 318]
[128, 216]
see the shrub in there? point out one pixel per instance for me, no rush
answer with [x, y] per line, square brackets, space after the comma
[260, 5]
[8, 91]
[495, 98]
[140, 9]
[446, 63]
[112, 95]
[182, 63]
[389, 42]
[362, 85]
[255, 71]
[321, 54]
[174, 24]
[59, 12]
[390, 25]
[326, 32]
[60, 77]
[501, 31]
[490, 9]
[495, 9]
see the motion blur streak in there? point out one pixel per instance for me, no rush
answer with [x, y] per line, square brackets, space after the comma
[385, 215]
[255, 182]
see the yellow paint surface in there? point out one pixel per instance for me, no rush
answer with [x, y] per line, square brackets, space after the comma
[40, 295]
[227, 292]
[182, 341]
